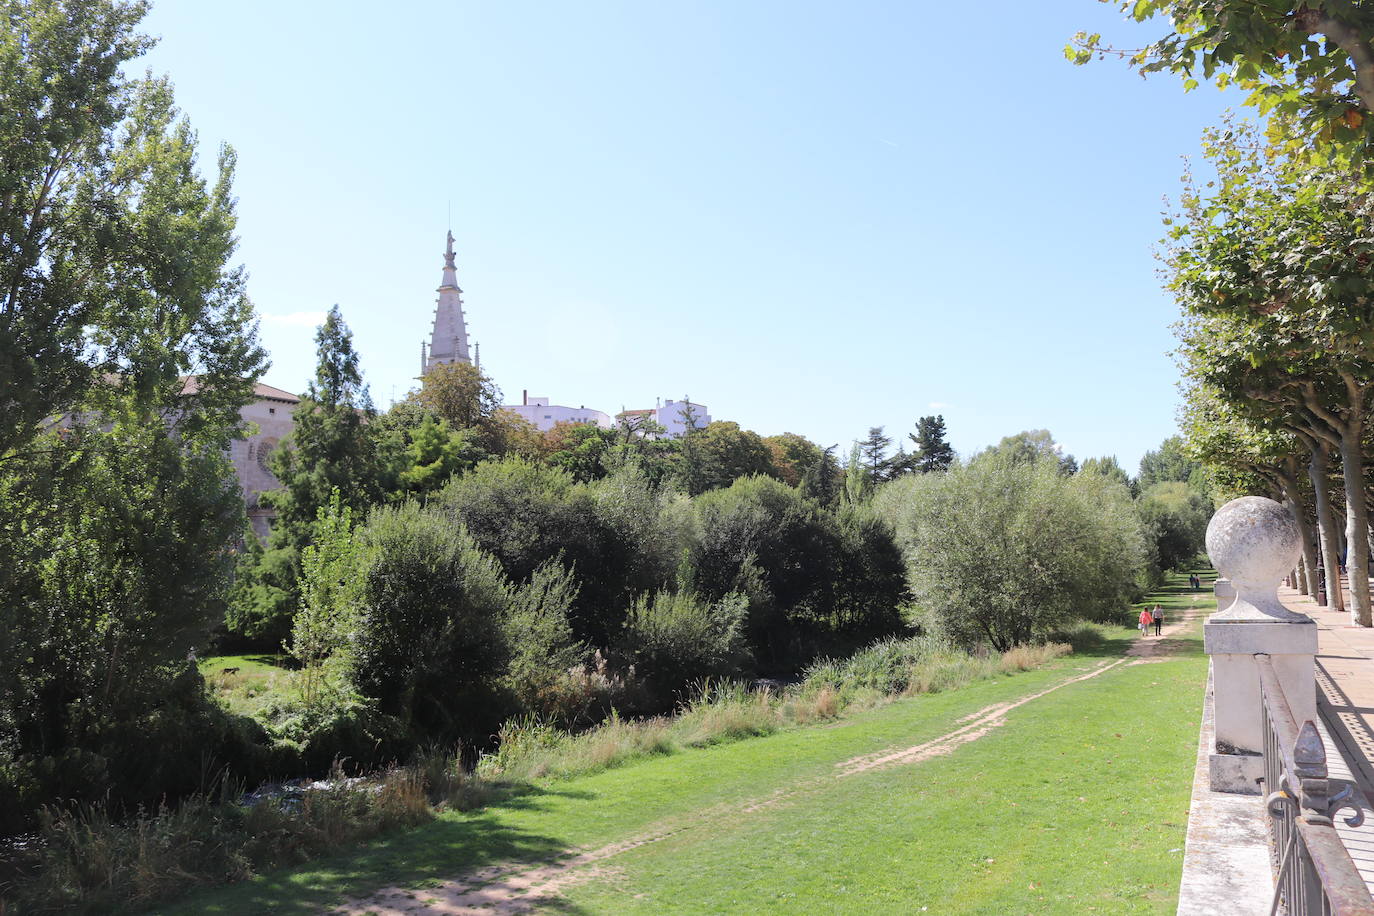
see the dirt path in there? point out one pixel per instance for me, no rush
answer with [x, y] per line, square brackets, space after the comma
[522, 887]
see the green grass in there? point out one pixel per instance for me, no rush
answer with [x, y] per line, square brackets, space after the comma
[256, 681]
[1077, 804]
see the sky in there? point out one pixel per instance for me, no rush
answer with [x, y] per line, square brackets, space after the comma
[809, 217]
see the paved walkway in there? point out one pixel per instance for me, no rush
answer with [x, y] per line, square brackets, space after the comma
[1345, 698]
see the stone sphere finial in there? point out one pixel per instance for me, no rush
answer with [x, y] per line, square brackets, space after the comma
[1254, 542]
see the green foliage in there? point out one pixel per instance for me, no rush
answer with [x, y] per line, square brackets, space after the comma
[431, 642]
[1307, 64]
[324, 625]
[332, 446]
[675, 638]
[808, 578]
[873, 455]
[581, 449]
[932, 451]
[543, 648]
[1169, 462]
[433, 452]
[1029, 447]
[822, 478]
[118, 507]
[1006, 550]
[1107, 467]
[792, 456]
[525, 515]
[729, 453]
[1175, 520]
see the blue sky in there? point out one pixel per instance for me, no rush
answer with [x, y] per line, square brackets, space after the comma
[813, 217]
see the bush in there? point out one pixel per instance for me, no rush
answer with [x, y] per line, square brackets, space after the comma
[1004, 551]
[543, 649]
[527, 515]
[763, 539]
[675, 638]
[432, 643]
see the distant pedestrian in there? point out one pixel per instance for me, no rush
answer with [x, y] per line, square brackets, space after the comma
[1146, 618]
[1157, 615]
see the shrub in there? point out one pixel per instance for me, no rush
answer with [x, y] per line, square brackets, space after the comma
[763, 539]
[527, 515]
[431, 642]
[1004, 551]
[543, 649]
[674, 638]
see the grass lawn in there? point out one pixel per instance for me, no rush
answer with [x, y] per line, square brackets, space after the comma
[242, 683]
[1075, 801]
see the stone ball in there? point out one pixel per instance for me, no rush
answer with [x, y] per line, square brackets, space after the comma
[1253, 541]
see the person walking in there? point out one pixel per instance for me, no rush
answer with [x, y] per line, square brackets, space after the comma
[1146, 618]
[1157, 615]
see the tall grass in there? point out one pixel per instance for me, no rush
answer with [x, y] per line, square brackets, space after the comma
[84, 861]
[87, 862]
[726, 711]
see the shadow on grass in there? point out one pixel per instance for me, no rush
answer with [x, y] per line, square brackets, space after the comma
[445, 848]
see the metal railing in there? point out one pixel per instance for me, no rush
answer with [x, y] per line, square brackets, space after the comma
[1315, 874]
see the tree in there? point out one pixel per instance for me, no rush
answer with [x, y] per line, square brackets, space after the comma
[858, 485]
[432, 638]
[821, 479]
[327, 618]
[873, 449]
[1031, 446]
[581, 449]
[1168, 462]
[931, 451]
[332, 446]
[118, 509]
[335, 446]
[1273, 268]
[1309, 63]
[432, 452]
[729, 453]
[113, 251]
[1004, 551]
[793, 456]
[1107, 467]
[466, 398]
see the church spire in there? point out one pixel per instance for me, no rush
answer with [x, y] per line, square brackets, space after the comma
[449, 339]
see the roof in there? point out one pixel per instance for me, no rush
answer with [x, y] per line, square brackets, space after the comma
[261, 391]
[635, 413]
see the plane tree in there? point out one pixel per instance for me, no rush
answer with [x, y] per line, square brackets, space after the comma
[1276, 259]
[1311, 62]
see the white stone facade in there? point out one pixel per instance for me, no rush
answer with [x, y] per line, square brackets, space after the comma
[546, 416]
[672, 416]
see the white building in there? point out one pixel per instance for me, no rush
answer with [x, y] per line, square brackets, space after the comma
[672, 416]
[546, 416]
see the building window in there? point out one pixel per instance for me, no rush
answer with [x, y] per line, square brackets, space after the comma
[271, 410]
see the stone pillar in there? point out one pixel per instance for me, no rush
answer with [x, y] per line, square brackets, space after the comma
[1253, 542]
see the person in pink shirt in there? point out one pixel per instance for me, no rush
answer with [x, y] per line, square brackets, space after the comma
[1146, 619]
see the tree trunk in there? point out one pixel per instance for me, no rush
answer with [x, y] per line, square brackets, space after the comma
[1326, 525]
[1356, 522]
[1307, 571]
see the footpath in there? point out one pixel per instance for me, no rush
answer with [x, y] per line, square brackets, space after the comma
[1016, 794]
[1345, 700]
